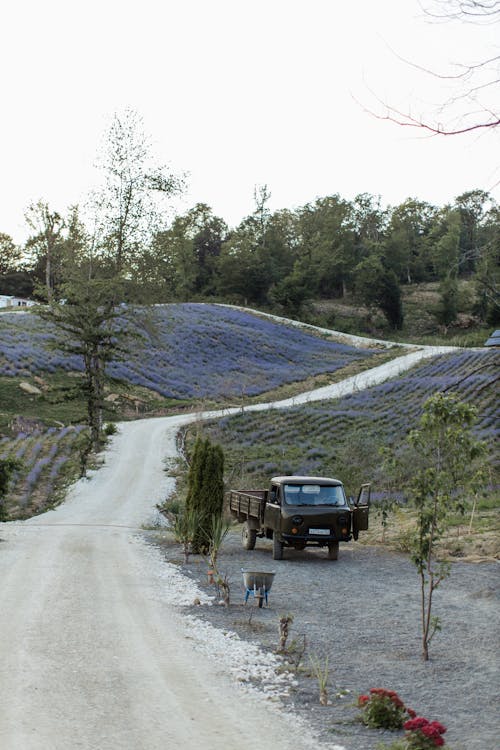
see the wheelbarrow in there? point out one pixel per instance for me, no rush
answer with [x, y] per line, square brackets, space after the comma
[257, 583]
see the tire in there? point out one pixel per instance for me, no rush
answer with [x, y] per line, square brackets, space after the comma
[333, 551]
[248, 536]
[277, 547]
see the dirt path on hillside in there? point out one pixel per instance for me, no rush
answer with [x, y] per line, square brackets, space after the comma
[92, 655]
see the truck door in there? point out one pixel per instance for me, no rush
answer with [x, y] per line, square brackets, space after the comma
[272, 512]
[361, 510]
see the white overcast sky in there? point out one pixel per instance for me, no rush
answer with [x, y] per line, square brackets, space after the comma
[237, 94]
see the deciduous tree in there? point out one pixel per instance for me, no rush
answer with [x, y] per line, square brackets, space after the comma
[446, 460]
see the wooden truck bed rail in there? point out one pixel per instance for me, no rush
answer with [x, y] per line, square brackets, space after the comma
[247, 503]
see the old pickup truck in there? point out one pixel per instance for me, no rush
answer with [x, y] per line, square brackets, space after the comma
[299, 512]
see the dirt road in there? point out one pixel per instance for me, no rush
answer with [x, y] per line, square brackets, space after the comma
[91, 654]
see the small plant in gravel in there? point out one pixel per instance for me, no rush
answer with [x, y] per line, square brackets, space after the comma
[215, 536]
[284, 631]
[383, 709]
[223, 589]
[420, 734]
[320, 671]
[185, 525]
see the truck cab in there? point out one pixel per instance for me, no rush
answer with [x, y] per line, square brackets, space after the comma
[312, 511]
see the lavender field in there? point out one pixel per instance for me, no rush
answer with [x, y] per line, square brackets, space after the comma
[49, 458]
[343, 437]
[185, 351]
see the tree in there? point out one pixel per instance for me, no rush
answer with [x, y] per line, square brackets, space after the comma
[406, 242]
[376, 285]
[47, 226]
[90, 325]
[205, 493]
[10, 255]
[127, 207]
[446, 461]
[469, 108]
[446, 310]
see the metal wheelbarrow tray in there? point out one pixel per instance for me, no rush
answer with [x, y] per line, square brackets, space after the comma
[258, 583]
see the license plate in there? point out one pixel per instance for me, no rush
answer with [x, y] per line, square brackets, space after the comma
[320, 532]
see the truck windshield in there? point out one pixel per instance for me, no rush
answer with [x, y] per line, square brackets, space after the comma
[314, 494]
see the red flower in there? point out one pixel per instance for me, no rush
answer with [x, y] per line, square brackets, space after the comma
[415, 723]
[411, 713]
[440, 728]
[363, 699]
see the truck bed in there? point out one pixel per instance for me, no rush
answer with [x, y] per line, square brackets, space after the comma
[247, 504]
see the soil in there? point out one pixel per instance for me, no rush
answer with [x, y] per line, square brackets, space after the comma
[362, 613]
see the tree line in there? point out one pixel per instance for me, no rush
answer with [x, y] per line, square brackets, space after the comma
[329, 248]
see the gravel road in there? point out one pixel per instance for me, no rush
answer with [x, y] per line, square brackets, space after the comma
[95, 655]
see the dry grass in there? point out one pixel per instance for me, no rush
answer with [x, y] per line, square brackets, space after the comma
[481, 544]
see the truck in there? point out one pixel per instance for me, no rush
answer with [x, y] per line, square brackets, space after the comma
[298, 512]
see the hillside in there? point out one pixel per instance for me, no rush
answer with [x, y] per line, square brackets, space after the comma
[344, 437]
[187, 356]
[179, 357]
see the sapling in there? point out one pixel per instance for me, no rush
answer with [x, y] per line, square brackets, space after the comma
[446, 462]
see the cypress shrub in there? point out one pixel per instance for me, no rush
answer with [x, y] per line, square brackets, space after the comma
[205, 494]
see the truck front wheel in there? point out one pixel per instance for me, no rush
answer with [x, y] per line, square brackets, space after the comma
[333, 551]
[248, 536]
[277, 547]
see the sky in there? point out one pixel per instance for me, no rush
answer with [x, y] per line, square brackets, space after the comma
[236, 94]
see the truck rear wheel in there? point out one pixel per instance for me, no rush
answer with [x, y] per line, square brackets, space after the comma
[248, 536]
[277, 547]
[333, 551]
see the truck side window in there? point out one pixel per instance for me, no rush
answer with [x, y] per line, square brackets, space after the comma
[274, 495]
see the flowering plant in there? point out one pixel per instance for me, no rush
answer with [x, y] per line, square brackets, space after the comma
[422, 734]
[383, 709]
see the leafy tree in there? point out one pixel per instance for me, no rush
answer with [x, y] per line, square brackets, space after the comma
[472, 208]
[379, 286]
[444, 241]
[127, 207]
[90, 325]
[405, 244]
[45, 242]
[447, 309]
[10, 255]
[186, 253]
[446, 461]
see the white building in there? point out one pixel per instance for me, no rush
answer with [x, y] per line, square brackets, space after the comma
[7, 300]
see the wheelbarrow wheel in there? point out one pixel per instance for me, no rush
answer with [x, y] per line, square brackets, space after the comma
[261, 596]
[277, 548]
[333, 551]
[248, 536]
